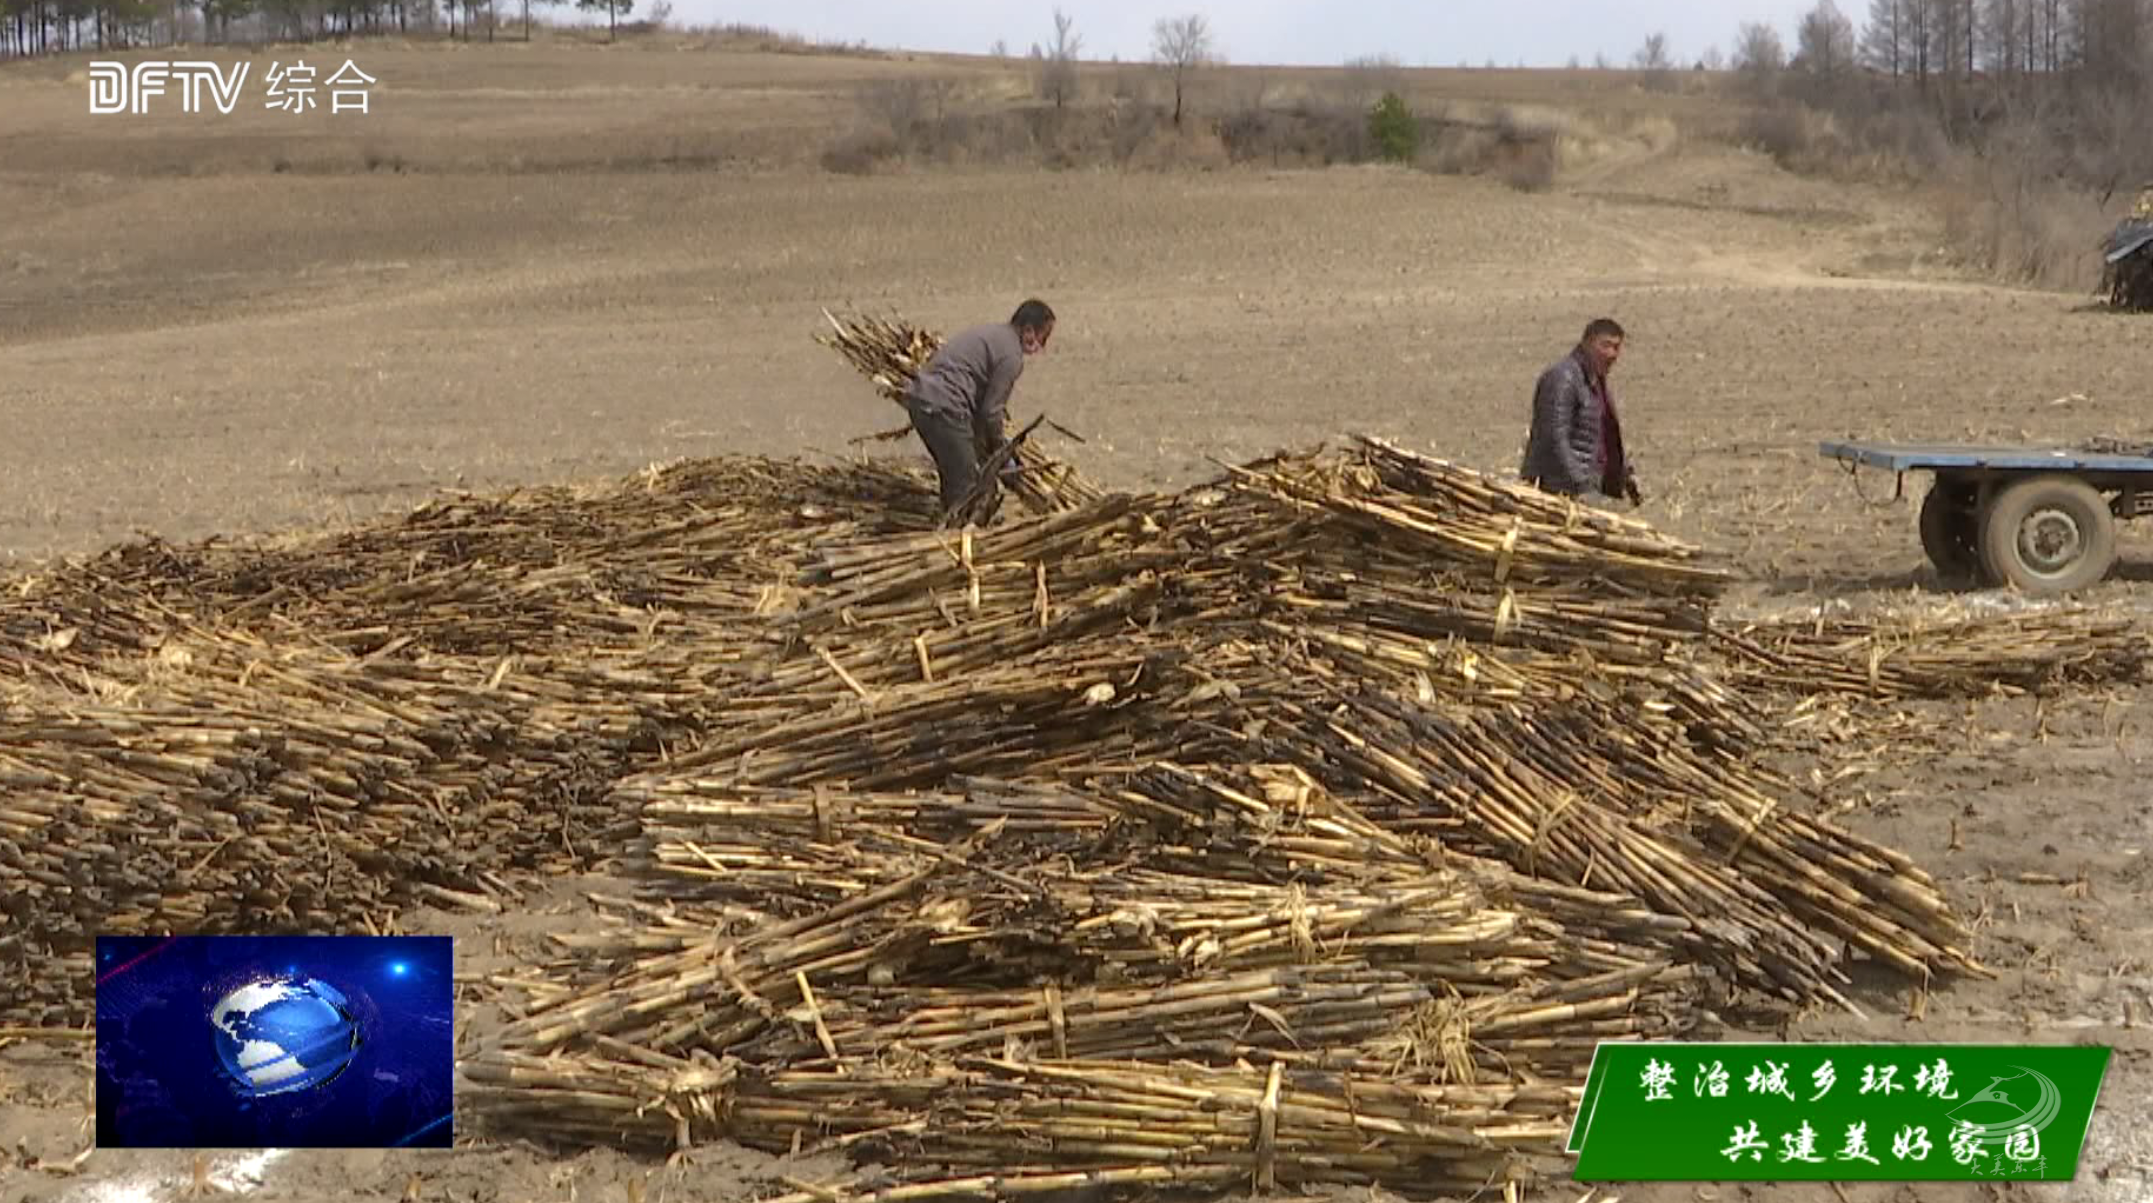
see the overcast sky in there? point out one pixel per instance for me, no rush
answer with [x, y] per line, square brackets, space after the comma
[1435, 33]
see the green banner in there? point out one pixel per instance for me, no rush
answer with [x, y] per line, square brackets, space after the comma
[1684, 1112]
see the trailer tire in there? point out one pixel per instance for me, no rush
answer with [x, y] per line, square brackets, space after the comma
[1951, 530]
[2048, 535]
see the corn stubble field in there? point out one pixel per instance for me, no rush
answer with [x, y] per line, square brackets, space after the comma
[867, 861]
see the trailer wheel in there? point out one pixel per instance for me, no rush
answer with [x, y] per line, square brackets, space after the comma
[2047, 535]
[1951, 529]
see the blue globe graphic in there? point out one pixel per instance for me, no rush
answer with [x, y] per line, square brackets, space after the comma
[277, 1035]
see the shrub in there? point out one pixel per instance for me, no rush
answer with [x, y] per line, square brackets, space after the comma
[1461, 150]
[1130, 129]
[1783, 131]
[1532, 166]
[1166, 150]
[1248, 134]
[991, 137]
[1330, 133]
[1394, 129]
[1309, 132]
[859, 153]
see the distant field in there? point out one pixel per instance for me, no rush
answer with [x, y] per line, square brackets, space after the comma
[594, 257]
[555, 104]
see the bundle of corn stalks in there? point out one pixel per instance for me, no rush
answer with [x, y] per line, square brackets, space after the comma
[2009, 654]
[1110, 1123]
[1508, 532]
[892, 353]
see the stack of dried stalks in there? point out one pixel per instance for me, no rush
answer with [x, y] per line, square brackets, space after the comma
[1191, 912]
[230, 785]
[1513, 533]
[1562, 792]
[1110, 1124]
[706, 542]
[1352, 764]
[1041, 933]
[1921, 657]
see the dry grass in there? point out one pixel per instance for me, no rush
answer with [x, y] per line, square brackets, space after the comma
[762, 39]
[735, 96]
[2031, 231]
[2015, 193]
[1796, 137]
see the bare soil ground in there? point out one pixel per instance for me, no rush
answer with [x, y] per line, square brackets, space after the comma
[534, 264]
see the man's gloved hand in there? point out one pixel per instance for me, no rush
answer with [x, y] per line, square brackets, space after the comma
[1630, 490]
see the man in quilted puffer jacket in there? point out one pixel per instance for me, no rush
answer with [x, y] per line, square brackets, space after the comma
[1576, 443]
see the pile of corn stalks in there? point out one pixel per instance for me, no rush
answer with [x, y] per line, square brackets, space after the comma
[1306, 826]
[968, 978]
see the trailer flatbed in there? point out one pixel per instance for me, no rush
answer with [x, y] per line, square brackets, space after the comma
[2038, 519]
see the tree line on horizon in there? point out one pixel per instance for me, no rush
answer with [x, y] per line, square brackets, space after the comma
[1921, 41]
[2084, 68]
[1915, 40]
[2064, 87]
[31, 28]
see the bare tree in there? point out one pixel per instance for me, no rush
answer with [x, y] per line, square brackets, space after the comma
[1000, 50]
[527, 14]
[1057, 66]
[2025, 35]
[1824, 43]
[1653, 62]
[1920, 43]
[1884, 41]
[1713, 60]
[2112, 148]
[1370, 76]
[1953, 40]
[1181, 45]
[614, 10]
[2109, 44]
[1759, 57]
[2000, 41]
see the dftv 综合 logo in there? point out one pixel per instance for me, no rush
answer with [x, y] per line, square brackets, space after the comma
[116, 89]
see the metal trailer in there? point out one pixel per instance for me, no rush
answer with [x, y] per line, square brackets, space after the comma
[2042, 521]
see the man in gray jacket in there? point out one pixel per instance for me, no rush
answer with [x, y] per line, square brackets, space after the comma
[960, 400]
[1576, 442]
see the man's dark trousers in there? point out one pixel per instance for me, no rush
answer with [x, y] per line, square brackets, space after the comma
[949, 441]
